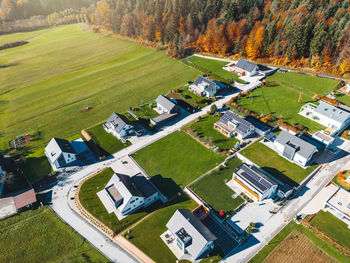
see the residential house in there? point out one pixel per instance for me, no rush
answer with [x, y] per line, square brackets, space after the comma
[125, 194]
[168, 110]
[339, 205]
[118, 126]
[189, 237]
[243, 67]
[334, 118]
[232, 125]
[255, 182]
[204, 87]
[294, 148]
[60, 153]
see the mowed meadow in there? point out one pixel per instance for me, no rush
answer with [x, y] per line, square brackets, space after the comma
[47, 84]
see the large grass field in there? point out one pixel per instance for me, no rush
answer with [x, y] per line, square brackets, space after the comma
[214, 191]
[333, 227]
[146, 235]
[40, 236]
[90, 201]
[284, 235]
[281, 100]
[47, 84]
[205, 128]
[213, 66]
[175, 161]
[276, 165]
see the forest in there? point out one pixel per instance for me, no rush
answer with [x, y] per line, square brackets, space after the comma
[309, 34]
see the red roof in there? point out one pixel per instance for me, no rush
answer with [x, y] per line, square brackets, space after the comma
[25, 199]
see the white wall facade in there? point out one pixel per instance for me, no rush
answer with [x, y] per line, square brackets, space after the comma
[133, 203]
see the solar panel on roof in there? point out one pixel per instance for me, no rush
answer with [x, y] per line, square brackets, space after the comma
[256, 179]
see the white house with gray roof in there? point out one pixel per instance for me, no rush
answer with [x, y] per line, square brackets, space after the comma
[188, 237]
[118, 126]
[168, 110]
[294, 148]
[204, 87]
[125, 194]
[60, 153]
[334, 118]
[232, 125]
[243, 67]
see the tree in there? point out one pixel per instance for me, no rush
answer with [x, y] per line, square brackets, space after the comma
[213, 109]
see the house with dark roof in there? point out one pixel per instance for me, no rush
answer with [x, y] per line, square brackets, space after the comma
[232, 125]
[125, 194]
[168, 110]
[188, 237]
[62, 153]
[258, 185]
[119, 126]
[294, 148]
[245, 67]
[204, 87]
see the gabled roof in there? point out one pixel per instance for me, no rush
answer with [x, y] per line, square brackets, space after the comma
[255, 177]
[118, 121]
[209, 85]
[165, 102]
[246, 65]
[184, 220]
[24, 199]
[332, 112]
[243, 126]
[300, 146]
[57, 146]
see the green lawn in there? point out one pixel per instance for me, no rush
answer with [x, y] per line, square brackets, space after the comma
[215, 67]
[145, 111]
[146, 235]
[108, 144]
[213, 189]
[205, 128]
[175, 161]
[276, 165]
[90, 201]
[333, 227]
[40, 236]
[281, 100]
[13, 37]
[50, 81]
[317, 241]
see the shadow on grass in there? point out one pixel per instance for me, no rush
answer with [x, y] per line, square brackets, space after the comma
[166, 185]
[280, 176]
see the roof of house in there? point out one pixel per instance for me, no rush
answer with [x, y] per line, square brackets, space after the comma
[57, 146]
[165, 102]
[255, 177]
[126, 186]
[332, 112]
[295, 143]
[246, 65]
[119, 121]
[242, 126]
[24, 199]
[208, 84]
[79, 146]
[183, 221]
[341, 201]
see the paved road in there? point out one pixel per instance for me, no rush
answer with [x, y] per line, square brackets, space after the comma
[275, 224]
[60, 199]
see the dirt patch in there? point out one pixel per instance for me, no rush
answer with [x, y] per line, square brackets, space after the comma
[297, 248]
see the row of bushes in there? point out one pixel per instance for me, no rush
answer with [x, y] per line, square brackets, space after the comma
[13, 44]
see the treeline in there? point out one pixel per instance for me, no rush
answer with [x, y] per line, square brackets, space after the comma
[298, 33]
[11, 10]
[67, 16]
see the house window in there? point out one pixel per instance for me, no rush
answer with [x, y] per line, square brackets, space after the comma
[132, 201]
[179, 243]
